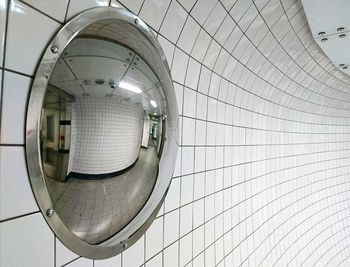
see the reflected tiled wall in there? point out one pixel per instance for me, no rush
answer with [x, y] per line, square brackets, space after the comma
[262, 175]
[108, 125]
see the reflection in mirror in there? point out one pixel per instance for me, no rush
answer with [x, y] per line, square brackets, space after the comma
[101, 136]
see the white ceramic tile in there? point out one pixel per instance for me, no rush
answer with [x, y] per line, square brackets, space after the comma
[134, 255]
[186, 218]
[201, 111]
[189, 35]
[15, 93]
[115, 3]
[172, 200]
[192, 74]
[179, 91]
[63, 254]
[173, 22]
[26, 241]
[239, 9]
[210, 256]
[215, 19]
[171, 255]
[154, 238]
[200, 140]
[55, 9]
[198, 240]
[204, 80]
[177, 170]
[187, 4]
[171, 227]
[168, 49]
[185, 249]
[224, 30]
[212, 54]
[189, 103]
[212, 109]
[229, 3]
[75, 6]
[178, 70]
[202, 10]
[156, 261]
[199, 185]
[3, 8]
[186, 189]
[148, 14]
[201, 46]
[16, 194]
[133, 6]
[23, 45]
[188, 135]
[187, 160]
[199, 261]
[81, 262]
[233, 39]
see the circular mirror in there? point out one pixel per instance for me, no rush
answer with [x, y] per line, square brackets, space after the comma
[102, 129]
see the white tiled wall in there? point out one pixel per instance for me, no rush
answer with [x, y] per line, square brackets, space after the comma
[262, 175]
[106, 135]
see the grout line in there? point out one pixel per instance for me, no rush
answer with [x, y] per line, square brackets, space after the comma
[19, 216]
[19, 73]
[66, 13]
[67, 263]
[4, 47]
[38, 10]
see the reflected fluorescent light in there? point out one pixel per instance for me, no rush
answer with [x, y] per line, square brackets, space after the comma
[130, 87]
[153, 103]
[154, 113]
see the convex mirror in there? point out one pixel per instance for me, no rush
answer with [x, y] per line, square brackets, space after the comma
[102, 129]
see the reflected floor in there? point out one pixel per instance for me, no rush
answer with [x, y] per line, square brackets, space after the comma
[95, 210]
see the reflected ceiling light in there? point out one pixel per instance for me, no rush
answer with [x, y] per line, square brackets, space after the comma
[153, 103]
[99, 81]
[130, 87]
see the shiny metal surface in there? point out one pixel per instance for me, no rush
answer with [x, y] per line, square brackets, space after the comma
[97, 198]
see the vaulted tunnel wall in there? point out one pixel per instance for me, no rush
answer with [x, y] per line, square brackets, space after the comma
[262, 175]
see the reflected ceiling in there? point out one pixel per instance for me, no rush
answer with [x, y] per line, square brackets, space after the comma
[93, 67]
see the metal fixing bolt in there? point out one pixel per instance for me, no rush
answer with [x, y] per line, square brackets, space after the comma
[321, 33]
[342, 35]
[340, 29]
[54, 49]
[324, 39]
[49, 212]
[136, 21]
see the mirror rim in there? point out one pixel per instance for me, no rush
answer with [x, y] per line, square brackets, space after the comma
[140, 223]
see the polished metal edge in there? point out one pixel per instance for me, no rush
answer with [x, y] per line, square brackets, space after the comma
[137, 227]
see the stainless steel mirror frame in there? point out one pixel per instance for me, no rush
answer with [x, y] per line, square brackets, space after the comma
[136, 228]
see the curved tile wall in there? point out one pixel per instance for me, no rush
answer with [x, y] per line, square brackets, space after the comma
[262, 176]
